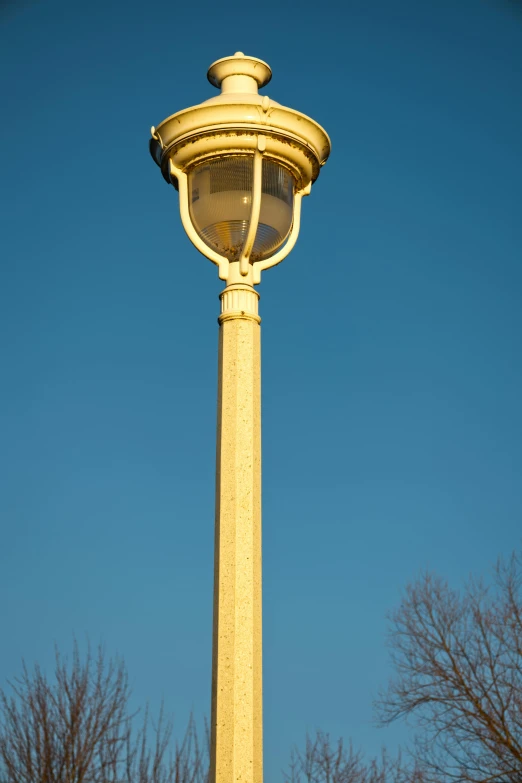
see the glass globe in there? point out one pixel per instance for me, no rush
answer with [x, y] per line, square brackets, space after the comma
[220, 196]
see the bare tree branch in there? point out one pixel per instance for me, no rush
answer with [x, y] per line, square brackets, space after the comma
[458, 675]
[324, 761]
[77, 728]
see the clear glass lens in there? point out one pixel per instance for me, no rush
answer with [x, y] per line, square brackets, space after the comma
[220, 195]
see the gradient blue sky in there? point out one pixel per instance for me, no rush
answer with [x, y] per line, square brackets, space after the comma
[392, 380]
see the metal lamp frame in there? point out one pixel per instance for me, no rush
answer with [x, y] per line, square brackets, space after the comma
[246, 269]
[241, 122]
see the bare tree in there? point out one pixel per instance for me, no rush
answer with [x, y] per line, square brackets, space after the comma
[186, 762]
[77, 728]
[324, 761]
[458, 664]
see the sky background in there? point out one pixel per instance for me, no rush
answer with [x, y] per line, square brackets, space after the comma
[392, 378]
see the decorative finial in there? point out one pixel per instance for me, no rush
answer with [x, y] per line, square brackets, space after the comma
[239, 74]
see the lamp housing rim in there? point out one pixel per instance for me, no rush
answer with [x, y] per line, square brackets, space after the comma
[182, 136]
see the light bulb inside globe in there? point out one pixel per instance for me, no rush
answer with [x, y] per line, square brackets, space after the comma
[220, 194]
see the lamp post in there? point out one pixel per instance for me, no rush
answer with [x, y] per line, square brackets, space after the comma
[242, 164]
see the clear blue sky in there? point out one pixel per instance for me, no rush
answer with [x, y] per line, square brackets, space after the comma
[392, 378]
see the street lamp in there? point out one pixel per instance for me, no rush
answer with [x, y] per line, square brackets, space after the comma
[242, 164]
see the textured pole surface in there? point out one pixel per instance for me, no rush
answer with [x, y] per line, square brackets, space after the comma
[237, 718]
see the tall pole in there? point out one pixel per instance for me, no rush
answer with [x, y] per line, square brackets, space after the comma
[237, 713]
[205, 151]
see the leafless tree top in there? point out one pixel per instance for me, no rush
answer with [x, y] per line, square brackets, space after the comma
[458, 663]
[76, 728]
[325, 761]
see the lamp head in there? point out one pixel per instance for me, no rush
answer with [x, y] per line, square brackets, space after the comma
[241, 163]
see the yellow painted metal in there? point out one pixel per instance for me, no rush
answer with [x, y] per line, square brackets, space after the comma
[239, 121]
[255, 210]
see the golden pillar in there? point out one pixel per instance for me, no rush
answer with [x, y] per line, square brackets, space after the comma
[237, 710]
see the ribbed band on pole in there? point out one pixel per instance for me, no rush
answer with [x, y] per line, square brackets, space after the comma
[239, 301]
